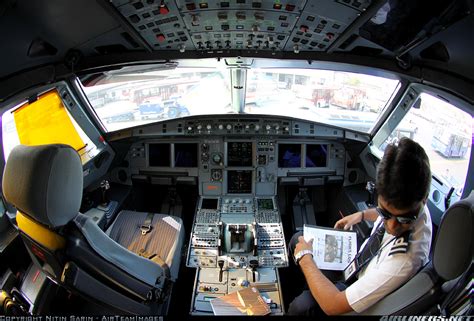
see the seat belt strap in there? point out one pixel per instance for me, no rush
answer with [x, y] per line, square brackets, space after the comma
[146, 226]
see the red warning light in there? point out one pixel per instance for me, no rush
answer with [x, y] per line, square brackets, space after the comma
[160, 37]
[164, 10]
[290, 7]
[277, 6]
[304, 28]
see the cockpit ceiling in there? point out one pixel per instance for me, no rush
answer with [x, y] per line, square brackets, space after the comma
[401, 36]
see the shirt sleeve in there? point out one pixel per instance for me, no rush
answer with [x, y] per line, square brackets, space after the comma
[383, 280]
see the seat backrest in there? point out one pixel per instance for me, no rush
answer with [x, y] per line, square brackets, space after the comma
[44, 183]
[452, 251]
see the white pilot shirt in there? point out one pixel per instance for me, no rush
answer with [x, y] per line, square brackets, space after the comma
[387, 271]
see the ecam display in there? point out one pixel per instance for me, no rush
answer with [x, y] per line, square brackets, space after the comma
[289, 155]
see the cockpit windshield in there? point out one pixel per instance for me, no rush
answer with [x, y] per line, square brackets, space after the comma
[130, 98]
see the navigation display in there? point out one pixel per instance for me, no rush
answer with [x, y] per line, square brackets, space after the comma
[289, 155]
[185, 155]
[239, 154]
[316, 155]
[239, 182]
[265, 204]
[159, 155]
[209, 204]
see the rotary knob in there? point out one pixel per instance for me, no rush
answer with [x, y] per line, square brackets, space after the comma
[268, 127]
[199, 127]
[221, 127]
[257, 127]
[216, 158]
[209, 127]
[228, 127]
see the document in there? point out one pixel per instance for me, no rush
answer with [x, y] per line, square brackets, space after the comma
[247, 301]
[332, 249]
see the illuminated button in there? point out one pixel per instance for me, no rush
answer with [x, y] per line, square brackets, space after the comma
[164, 9]
[268, 127]
[330, 35]
[160, 37]
[277, 6]
[257, 127]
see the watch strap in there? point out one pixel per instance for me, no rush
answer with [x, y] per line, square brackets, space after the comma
[300, 254]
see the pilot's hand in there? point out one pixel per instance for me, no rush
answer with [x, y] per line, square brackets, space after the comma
[349, 220]
[303, 245]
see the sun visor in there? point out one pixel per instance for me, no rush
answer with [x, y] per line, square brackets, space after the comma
[46, 121]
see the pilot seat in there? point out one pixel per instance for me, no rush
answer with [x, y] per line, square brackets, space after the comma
[130, 268]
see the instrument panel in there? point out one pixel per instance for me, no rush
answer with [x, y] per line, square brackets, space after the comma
[235, 156]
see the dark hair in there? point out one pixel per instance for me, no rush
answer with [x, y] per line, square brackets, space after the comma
[404, 175]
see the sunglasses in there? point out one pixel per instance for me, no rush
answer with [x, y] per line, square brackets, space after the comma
[402, 219]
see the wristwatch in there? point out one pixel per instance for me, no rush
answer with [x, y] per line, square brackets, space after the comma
[300, 254]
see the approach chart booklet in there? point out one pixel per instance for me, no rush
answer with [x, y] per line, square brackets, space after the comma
[332, 249]
[247, 301]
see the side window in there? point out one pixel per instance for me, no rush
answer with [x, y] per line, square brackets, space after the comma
[45, 121]
[445, 132]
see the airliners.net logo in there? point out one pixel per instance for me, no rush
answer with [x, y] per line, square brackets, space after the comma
[426, 318]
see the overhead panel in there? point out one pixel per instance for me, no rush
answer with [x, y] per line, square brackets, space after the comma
[240, 24]
[321, 23]
[159, 23]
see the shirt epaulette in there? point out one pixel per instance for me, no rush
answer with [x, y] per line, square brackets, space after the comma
[401, 244]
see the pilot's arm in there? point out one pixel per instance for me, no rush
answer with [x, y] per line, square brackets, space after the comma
[346, 222]
[331, 300]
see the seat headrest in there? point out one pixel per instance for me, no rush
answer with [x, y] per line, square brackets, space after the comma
[454, 244]
[44, 182]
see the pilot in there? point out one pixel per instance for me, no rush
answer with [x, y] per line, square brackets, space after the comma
[396, 249]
